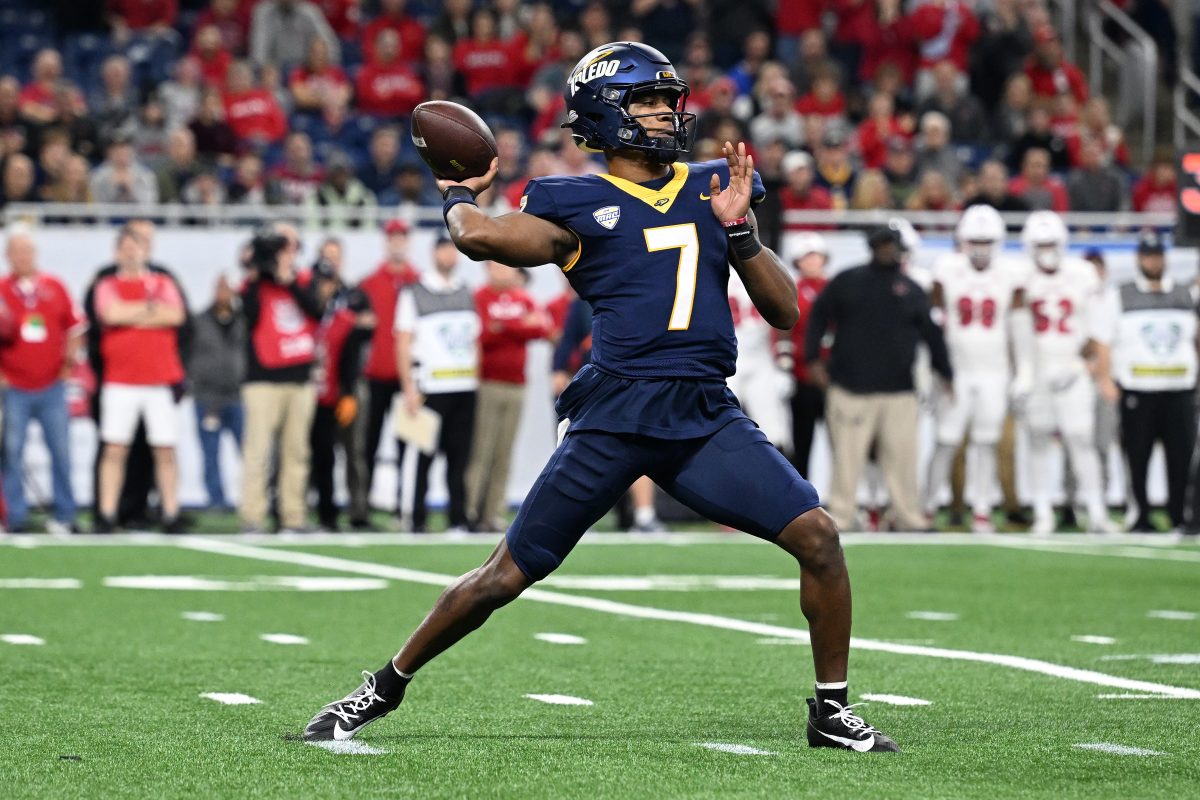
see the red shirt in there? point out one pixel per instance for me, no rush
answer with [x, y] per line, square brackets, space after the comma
[872, 142]
[888, 44]
[344, 16]
[382, 288]
[140, 14]
[855, 18]
[215, 68]
[504, 333]
[331, 75]
[392, 90]
[1066, 77]
[411, 33]
[36, 319]
[297, 187]
[255, 115]
[557, 309]
[234, 28]
[817, 199]
[36, 94]
[794, 17]
[332, 337]
[943, 36]
[1058, 193]
[1148, 197]
[139, 356]
[487, 65]
[811, 104]
[807, 290]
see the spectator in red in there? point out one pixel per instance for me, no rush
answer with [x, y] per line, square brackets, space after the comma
[1036, 186]
[41, 330]
[543, 161]
[252, 113]
[825, 99]
[1156, 190]
[209, 51]
[855, 19]
[793, 18]
[344, 16]
[888, 42]
[943, 30]
[800, 193]
[156, 17]
[37, 98]
[878, 128]
[509, 320]
[392, 18]
[299, 176]
[386, 86]
[382, 288]
[537, 45]
[809, 255]
[232, 17]
[1049, 72]
[139, 311]
[1096, 124]
[317, 79]
[489, 65]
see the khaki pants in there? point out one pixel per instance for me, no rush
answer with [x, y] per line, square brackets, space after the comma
[890, 420]
[497, 416]
[276, 413]
[1006, 469]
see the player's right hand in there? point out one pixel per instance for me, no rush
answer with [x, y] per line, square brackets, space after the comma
[413, 400]
[818, 375]
[477, 185]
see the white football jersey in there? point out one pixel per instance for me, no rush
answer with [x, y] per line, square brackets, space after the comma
[1063, 304]
[976, 313]
[755, 349]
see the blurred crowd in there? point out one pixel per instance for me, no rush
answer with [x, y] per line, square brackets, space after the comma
[906, 104]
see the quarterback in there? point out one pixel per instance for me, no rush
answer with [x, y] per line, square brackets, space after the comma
[649, 245]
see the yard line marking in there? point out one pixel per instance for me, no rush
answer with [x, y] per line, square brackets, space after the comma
[1117, 749]
[40, 583]
[1135, 697]
[283, 638]
[1159, 658]
[349, 747]
[203, 616]
[1088, 638]
[1179, 615]
[232, 698]
[560, 638]
[560, 699]
[761, 629]
[672, 583]
[254, 583]
[895, 700]
[1154, 551]
[21, 638]
[735, 749]
[933, 616]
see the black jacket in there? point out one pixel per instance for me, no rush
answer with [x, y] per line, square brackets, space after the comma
[878, 316]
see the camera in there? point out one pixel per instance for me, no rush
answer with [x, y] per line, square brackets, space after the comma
[265, 248]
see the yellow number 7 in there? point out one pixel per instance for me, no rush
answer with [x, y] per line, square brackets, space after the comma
[683, 237]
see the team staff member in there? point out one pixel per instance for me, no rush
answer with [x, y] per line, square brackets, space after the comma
[1147, 336]
[41, 330]
[139, 312]
[281, 317]
[382, 288]
[810, 257]
[879, 315]
[437, 333]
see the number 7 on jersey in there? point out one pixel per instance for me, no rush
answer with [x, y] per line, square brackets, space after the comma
[683, 237]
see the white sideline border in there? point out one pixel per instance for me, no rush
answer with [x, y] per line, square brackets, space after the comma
[706, 620]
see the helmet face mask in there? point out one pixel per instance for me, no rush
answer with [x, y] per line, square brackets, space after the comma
[607, 81]
[980, 234]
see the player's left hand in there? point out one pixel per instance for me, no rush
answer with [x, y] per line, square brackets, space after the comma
[345, 411]
[733, 202]
[477, 185]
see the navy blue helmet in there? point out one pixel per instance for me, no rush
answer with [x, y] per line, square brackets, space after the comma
[600, 89]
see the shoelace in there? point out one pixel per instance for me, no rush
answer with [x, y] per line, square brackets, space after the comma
[358, 701]
[848, 718]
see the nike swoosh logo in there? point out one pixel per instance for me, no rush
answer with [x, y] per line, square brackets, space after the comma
[703, 196]
[858, 745]
[340, 735]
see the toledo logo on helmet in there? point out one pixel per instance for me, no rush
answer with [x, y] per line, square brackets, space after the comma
[594, 70]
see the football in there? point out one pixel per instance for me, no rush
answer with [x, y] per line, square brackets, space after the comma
[452, 140]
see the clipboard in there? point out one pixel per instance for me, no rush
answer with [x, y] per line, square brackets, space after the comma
[420, 429]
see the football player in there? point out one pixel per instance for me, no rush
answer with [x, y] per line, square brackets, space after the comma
[1063, 294]
[759, 384]
[981, 297]
[649, 245]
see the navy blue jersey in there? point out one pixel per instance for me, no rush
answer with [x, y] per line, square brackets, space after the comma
[653, 265]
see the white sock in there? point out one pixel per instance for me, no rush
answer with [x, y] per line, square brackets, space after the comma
[404, 675]
[833, 687]
[981, 476]
[939, 475]
[644, 516]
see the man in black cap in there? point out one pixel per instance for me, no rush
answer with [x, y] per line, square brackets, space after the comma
[1147, 354]
[879, 315]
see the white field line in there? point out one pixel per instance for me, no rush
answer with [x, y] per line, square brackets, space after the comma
[895, 700]
[735, 749]
[1117, 749]
[283, 638]
[232, 698]
[203, 616]
[350, 747]
[560, 699]
[1184, 616]
[1135, 697]
[1158, 658]
[706, 620]
[933, 616]
[560, 638]
[21, 638]
[40, 583]
[1088, 638]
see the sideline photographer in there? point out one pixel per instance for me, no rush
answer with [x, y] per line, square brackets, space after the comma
[282, 316]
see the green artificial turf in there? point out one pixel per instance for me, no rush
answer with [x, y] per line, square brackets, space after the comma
[116, 687]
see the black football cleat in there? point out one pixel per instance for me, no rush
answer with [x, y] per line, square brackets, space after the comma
[343, 719]
[841, 728]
